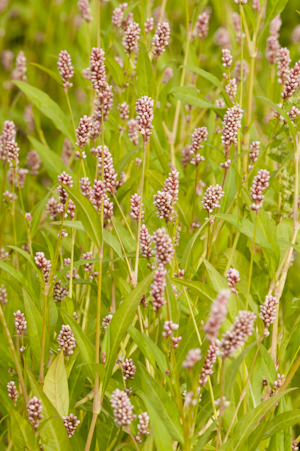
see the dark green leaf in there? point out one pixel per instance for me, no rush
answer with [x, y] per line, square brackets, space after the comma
[122, 320]
[144, 72]
[89, 217]
[48, 107]
[53, 432]
[22, 433]
[35, 328]
[163, 404]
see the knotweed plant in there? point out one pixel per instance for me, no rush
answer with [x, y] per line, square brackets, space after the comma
[149, 225]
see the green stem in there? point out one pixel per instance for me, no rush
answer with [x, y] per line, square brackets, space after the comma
[70, 109]
[124, 217]
[72, 263]
[243, 394]
[251, 261]
[219, 438]
[136, 268]
[13, 351]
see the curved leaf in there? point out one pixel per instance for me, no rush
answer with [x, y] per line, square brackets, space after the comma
[282, 421]
[87, 350]
[48, 107]
[22, 433]
[248, 423]
[56, 385]
[144, 72]
[122, 319]
[35, 328]
[53, 432]
[89, 217]
[161, 434]
[51, 161]
[163, 404]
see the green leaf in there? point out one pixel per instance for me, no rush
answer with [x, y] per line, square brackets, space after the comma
[144, 73]
[128, 242]
[86, 349]
[248, 423]
[274, 7]
[27, 256]
[105, 435]
[257, 435]
[52, 162]
[56, 385]
[163, 404]
[288, 243]
[206, 437]
[247, 228]
[37, 215]
[157, 354]
[279, 110]
[48, 107]
[50, 72]
[282, 421]
[89, 217]
[115, 70]
[172, 299]
[289, 325]
[108, 237]
[232, 370]
[185, 261]
[205, 292]
[35, 328]
[161, 434]
[77, 379]
[53, 432]
[214, 80]
[194, 101]
[22, 433]
[18, 276]
[140, 340]
[49, 245]
[122, 319]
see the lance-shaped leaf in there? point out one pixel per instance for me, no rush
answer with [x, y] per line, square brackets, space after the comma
[48, 107]
[88, 215]
[163, 404]
[161, 434]
[87, 350]
[35, 328]
[51, 161]
[122, 319]
[22, 433]
[52, 432]
[248, 423]
[144, 72]
[56, 385]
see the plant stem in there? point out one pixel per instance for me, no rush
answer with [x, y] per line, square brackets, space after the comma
[13, 351]
[251, 261]
[219, 438]
[124, 217]
[72, 263]
[243, 394]
[173, 134]
[98, 23]
[279, 289]
[98, 386]
[136, 268]
[70, 109]
[23, 210]
[41, 375]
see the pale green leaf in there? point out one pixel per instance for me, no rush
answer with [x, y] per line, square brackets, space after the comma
[56, 385]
